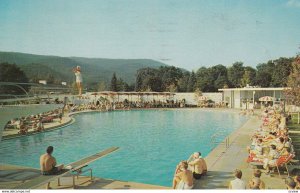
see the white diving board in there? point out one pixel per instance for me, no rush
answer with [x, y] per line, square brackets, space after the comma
[78, 165]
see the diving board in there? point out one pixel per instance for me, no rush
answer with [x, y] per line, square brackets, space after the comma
[77, 165]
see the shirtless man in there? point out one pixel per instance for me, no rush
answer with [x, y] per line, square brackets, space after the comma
[198, 165]
[48, 164]
[184, 178]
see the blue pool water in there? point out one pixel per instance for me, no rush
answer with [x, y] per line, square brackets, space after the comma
[151, 142]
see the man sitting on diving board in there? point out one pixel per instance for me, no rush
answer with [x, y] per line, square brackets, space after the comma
[48, 163]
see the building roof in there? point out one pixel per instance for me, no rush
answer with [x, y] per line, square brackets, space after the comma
[253, 89]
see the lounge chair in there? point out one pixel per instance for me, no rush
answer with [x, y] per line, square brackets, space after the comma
[282, 161]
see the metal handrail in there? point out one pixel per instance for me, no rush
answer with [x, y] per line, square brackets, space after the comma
[213, 140]
[77, 175]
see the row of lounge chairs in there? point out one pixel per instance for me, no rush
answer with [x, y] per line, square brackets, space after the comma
[271, 146]
[33, 122]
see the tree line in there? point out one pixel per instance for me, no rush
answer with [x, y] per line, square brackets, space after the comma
[273, 73]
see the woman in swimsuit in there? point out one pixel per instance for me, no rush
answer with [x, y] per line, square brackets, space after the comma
[77, 72]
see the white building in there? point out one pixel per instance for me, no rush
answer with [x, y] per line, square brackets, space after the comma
[247, 96]
[43, 82]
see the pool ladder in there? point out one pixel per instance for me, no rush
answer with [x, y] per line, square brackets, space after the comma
[214, 140]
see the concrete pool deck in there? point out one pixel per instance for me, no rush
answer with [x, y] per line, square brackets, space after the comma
[13, 133]
[221, 162]
[12, 176]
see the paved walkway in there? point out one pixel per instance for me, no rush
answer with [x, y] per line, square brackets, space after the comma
[221, 162]
[12, 176]
[12, 133]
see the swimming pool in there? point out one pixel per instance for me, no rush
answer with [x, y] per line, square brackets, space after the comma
[151, 142]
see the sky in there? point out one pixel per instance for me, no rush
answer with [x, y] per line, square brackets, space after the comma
[183, 33]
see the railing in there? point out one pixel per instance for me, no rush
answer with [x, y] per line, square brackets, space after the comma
[214, 140]
[79, 172]
[36, 89]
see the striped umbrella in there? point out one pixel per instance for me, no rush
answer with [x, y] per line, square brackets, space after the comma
[266, 99]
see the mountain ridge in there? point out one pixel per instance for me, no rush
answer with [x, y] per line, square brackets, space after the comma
[94, 70]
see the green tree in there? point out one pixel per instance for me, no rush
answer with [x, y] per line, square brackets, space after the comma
[50, 79]
[235, 74]
[12, 73]
[113, 83]
[219, 73]
[293, 94]
[246, 79]
[221, 82]
[283, 67]
[205, 79]
[184, 82]
[191, 82]
[172, 88]
[101, 86]
[149, 78]
[170, 75]
[263, 79]
[264, 74]
[122, 85]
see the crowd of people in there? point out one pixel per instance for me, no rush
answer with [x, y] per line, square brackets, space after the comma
[256, 183]
[34, 122]
[270, 149]
[105, 105]
[188, 171]
[271, 145]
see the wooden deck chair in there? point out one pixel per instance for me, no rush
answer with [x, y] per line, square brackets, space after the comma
[282, 161]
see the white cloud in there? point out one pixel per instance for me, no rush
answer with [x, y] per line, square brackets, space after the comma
[293, 3]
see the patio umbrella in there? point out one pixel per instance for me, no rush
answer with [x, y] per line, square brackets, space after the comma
[266, 99]
[203, 98]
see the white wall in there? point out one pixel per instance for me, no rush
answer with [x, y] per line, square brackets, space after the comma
[237, 99]
[189, 97]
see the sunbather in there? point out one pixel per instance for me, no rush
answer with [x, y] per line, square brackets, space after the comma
[197, 165]
[271, 159]
[183, 179]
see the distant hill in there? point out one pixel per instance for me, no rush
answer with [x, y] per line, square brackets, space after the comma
[94, 70]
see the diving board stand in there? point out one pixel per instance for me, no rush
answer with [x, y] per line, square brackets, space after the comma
[76, 167]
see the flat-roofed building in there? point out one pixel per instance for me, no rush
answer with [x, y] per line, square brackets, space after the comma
[247, 97]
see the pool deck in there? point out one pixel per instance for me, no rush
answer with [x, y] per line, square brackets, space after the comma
[221, 162]
[12, 176]
[13, 133]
